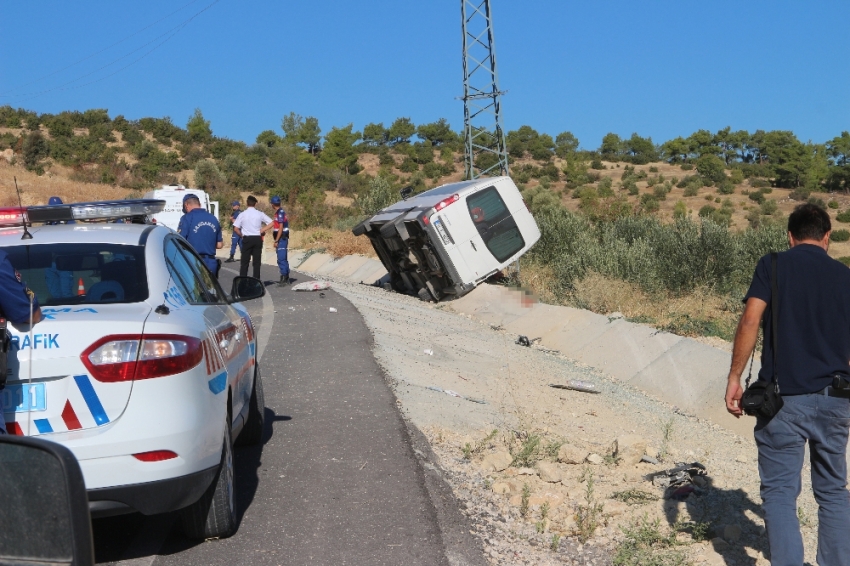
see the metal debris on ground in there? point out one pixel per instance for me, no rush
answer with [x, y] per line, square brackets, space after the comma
[523, 341]
[576, 385]
[311, 286]
[682, 475]
[332, 309]
[455, 394]
[649, 460]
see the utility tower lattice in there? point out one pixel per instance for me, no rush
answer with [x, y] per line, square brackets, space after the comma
[484, 139]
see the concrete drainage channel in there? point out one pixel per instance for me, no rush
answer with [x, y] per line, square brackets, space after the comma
[683, 372]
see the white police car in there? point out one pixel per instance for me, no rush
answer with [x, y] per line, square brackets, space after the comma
[143, 366]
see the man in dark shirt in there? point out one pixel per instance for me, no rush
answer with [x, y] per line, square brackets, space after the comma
[202, 230]
[813, 347]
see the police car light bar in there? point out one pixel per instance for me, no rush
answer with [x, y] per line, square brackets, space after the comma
[13, 217]
[102, 210]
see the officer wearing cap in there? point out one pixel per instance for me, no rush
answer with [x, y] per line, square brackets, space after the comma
[280, 233]
[202, 230]
[15, 300]
[236, 239]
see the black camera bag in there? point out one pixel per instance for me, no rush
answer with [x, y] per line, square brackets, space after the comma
[762, 398]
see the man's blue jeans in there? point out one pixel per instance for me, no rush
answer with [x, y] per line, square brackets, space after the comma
[823, 422]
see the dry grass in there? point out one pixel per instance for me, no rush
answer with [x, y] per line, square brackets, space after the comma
[336, 243]
[36, 190]
[699, 313]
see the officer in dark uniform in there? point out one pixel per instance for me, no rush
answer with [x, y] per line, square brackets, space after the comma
[236, 239]
[280, 232]
[15, 300]
[203, 231]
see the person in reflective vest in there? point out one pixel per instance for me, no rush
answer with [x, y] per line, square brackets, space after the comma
[280, 232]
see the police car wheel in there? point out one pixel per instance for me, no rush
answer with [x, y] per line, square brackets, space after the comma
[214, 514]
[252, 432]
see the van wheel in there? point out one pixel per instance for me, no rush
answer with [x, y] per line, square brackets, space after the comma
[434, 293]
[252, 432]
[214, 514]
[425, 295]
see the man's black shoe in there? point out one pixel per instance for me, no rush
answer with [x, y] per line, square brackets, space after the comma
[229, 260]
[284, 281]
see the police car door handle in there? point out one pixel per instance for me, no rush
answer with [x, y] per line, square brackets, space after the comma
[473, 245]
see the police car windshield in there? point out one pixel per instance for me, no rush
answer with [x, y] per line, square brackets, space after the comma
[82, 274]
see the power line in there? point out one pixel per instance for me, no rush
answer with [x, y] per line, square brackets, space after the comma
[86, 58]
[65, 86]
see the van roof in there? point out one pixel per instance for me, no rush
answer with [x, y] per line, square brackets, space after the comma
[429, 199]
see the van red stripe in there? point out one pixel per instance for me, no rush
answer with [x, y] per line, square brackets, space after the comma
[70, 417]
[14, 429]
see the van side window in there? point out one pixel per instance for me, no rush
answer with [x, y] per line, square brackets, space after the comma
[495, 224]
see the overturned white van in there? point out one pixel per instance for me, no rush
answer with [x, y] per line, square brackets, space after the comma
[445, 241]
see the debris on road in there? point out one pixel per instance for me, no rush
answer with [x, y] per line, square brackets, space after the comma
[576, 385]
[311, 286]
[429, 351]
[455, 394]
[332, 309]
[523, 341]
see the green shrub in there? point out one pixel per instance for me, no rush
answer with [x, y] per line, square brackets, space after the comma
[726, 187]
[712, 168]
[833, 204]
[757, 183]
[769, 207]
[680, 210]
[691, 190]
[756, 196]
[604, 187]
[800, 194]
[840, 235]
[736, 176]
[408, 165]
[817, 202]
[653, 169]
[843, 216]
[845, 260]
[660, 192]
[649, 203]
[597, 164]
[631, 186]
[687, 166]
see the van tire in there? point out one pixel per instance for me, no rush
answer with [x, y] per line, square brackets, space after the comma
[425, 295]
[214, 514]
[252, 432]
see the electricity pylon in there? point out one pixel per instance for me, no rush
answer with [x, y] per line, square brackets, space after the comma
[485, 151]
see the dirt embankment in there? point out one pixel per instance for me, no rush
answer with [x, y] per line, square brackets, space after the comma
[551, 476]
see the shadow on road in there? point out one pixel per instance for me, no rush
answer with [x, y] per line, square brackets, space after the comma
[125, 537]
[714, 510]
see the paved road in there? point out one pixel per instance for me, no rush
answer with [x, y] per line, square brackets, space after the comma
[339, 479]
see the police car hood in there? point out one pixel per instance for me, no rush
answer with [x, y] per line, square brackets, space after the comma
[59, 394]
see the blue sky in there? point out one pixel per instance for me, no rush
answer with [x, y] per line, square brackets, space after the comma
[659, 68]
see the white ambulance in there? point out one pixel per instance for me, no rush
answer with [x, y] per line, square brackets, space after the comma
[446, 241]
[173, 197]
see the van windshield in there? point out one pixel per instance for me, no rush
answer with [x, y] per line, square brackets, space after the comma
[495, 224]
[82, 274]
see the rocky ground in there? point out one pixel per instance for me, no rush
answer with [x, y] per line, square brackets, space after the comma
[554, 476]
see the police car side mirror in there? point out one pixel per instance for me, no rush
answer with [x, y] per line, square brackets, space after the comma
[246, 288]
[44, 508]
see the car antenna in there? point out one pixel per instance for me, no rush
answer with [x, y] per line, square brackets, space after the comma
[26, 235]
